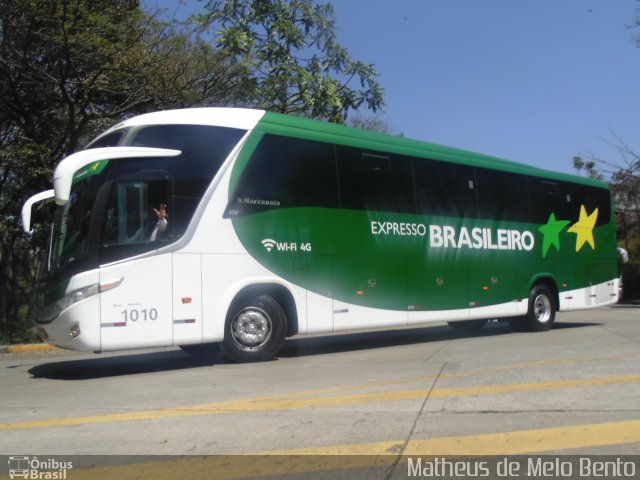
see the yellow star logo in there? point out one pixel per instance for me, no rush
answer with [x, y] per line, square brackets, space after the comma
[583, 228]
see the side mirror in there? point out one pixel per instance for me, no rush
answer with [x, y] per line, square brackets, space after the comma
[46, 196]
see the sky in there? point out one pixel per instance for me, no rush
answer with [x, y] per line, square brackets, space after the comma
[533, 81]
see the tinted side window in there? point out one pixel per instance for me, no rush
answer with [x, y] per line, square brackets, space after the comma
[445, 189]
[204, 149]
[286, 172]
[546, 197]
[591, 198]
[502, 195]
[375, 181]
[110, 140]
[130, 225]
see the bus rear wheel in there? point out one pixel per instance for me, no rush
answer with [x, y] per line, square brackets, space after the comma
[255, 330]
[542, 311]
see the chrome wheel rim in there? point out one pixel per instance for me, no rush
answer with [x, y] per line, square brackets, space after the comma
[251, 328]
[542, 308]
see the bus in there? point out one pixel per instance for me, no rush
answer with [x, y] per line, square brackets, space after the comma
[243, 227]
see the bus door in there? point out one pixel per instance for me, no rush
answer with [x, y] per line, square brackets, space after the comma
[136, 281]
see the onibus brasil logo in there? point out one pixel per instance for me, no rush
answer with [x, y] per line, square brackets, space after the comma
[34, 468]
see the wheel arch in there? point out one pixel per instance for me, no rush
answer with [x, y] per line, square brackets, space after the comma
[278, 292]
[548, 281]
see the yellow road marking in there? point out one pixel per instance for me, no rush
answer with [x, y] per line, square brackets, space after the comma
[377, 454]
[278, 403]
[450, 375]
[505, 443]
[30, 347]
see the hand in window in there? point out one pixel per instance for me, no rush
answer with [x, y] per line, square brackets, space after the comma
[161, 224]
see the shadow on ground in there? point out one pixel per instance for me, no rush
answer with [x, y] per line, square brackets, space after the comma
[113, 365]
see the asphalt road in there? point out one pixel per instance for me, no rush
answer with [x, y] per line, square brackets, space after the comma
[422, 391]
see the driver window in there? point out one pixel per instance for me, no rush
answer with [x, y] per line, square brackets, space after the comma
[136, 217]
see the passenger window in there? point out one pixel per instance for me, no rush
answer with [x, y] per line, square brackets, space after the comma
[445, 189]
[375, 181]
[376, 163]
[204, 150]
[110, 140]
[502, 195]
[286, 172]
[547, 197]
[591, 198]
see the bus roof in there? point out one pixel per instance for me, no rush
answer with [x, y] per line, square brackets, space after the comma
[249, 119]
[242, 118]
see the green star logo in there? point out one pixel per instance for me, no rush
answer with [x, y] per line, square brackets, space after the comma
[551, 231]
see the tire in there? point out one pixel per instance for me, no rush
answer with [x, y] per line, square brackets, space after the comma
[541, 313]
[467, 325]
[255, 330]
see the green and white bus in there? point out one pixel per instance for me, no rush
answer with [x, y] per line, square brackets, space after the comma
[278, 226]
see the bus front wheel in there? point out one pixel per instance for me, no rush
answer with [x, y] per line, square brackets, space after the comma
[255, 330]
[542, 312]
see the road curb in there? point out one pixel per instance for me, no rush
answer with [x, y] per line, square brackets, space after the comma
[29, 347]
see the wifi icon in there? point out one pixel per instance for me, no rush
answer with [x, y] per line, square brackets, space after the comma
[268, 243]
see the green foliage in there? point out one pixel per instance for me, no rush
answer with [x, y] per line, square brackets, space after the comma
[374, 124]
[625, 184]
[588, 166]
[624, 179]
[69, 69]
[289, 51]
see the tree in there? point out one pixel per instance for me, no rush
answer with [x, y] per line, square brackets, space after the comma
[625, 185]
[636, 23]
[69, 69]
[623, 177]
[290, 53]
[374, 124]
[588, 166]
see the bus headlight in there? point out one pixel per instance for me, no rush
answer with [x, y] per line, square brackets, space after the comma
[77, 295]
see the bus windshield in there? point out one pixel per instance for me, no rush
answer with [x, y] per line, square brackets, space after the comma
[70, 229]
[112, 209]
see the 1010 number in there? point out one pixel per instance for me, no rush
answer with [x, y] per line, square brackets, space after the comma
[134, 314]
